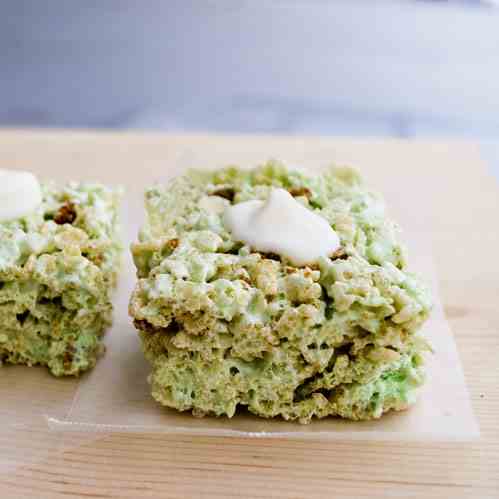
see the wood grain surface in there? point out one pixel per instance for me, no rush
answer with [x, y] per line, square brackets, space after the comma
[443, 186]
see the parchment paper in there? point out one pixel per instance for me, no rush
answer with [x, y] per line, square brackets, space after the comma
[115, 396]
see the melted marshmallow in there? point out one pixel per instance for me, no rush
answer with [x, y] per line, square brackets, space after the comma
[20, 194]
[283, 226]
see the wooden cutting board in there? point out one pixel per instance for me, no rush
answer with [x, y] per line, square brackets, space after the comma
[441, 188]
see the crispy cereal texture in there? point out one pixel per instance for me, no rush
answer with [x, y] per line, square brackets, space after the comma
[57, 269]
[224, 326]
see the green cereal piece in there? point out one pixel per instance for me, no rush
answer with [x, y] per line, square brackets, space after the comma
[58, 267]
[224, 326]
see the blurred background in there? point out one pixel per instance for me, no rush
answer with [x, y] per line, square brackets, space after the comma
[360, 68]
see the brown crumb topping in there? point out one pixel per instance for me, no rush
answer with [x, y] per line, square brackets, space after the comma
[172, 243]
[97, 259]
[226, 193]
[271, 256]
[339, 254]
[300, 191]
[66, 214]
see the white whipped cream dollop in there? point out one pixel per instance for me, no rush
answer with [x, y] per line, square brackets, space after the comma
[283, 226]
[20, 194]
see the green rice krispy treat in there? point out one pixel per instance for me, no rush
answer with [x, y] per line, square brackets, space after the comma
[226, 326]
[58, 266]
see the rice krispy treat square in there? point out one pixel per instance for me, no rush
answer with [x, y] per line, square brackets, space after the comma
[58, 267]
[225, 326]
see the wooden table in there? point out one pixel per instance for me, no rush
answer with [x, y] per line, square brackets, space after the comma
[458, 208]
